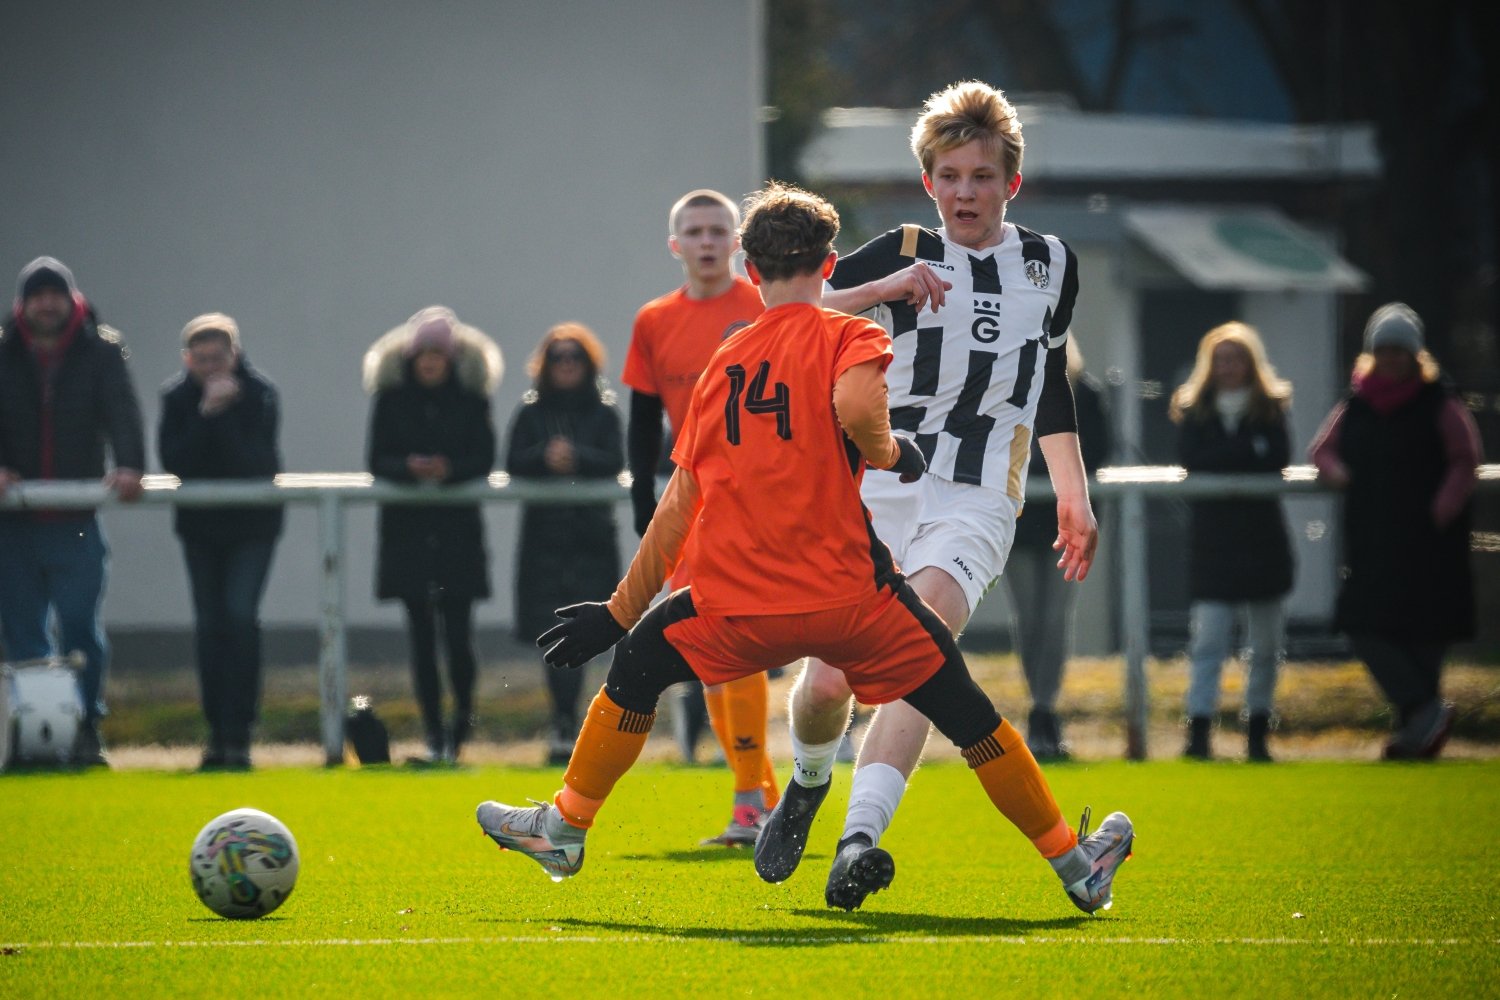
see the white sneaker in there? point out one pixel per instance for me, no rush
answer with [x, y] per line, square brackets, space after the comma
[538, 831]
[1106, 850]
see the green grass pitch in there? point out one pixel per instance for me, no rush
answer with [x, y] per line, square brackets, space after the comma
[1292, 880]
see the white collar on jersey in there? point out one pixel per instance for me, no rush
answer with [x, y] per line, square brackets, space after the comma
[1006, 229]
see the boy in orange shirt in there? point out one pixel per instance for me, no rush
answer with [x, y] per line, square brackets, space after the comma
[673, 337]
[765, 504]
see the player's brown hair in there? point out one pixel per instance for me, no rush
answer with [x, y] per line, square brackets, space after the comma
[1269, 393]
[702, 198]
[787, 231]
[966, 112]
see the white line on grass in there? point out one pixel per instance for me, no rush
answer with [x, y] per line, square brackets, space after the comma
[562, 938]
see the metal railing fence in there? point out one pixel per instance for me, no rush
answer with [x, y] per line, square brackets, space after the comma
[331, 492]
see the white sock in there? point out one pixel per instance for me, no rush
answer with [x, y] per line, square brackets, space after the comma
[873, 799]
[812, 763]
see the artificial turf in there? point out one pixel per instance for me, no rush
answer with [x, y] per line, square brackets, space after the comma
[1295, 880]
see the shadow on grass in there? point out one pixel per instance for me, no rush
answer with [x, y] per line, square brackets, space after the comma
[241, 921]
[845, 928]
[694, 855]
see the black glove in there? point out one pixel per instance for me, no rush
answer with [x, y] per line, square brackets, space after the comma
[643, 503]
[587, 630]
[911, 464]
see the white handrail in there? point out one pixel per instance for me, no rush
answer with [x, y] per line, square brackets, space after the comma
[331, 491]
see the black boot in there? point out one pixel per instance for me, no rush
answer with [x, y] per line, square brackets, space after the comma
[1044, 735]
[564, 735]
[436, 752]
[213, 753]
[1199, 729]
[88, 746]
[1259, 729]
[463, 726]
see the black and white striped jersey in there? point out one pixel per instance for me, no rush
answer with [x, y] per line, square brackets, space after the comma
[966, 380]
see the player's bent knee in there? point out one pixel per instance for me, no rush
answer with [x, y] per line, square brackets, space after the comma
[824, 690]
[645, 664]
[958, 707]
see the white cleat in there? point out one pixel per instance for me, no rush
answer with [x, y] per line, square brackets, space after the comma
[1106, 850]
[538, 831]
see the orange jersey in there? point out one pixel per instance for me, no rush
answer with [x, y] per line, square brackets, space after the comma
[675, 335]
[781, 528]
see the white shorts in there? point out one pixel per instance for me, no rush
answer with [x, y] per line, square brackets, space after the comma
[966, 531]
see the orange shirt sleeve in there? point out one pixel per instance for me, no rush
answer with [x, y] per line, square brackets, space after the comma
[659, 551]
[860, 402]
[640, 371]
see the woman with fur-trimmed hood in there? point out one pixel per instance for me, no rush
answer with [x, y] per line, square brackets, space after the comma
[430, 423]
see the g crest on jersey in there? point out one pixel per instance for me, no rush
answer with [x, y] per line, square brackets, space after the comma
[966, 379]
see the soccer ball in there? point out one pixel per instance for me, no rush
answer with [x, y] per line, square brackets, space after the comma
[244, 864]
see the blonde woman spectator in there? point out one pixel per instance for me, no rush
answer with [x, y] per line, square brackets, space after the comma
[1232, 418]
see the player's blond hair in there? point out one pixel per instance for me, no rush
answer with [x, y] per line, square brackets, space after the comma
[1270, 394]
[966, 112]
[787, 231]
[702, 198]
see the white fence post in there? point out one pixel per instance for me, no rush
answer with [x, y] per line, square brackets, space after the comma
[332, 650]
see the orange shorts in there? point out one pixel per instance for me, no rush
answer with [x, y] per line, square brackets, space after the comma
[885, 646]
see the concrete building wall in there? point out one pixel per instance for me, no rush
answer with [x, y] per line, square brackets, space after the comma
[321, 171]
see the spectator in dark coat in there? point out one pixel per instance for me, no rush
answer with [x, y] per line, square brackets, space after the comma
[1041, 601]
[1406, 453]
[65, 396]
[219, 420]
[566, 429]
[1232, 415]
[430, 424]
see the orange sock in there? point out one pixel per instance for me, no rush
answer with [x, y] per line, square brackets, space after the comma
[1014, 782]
[608, 744]
[718, 712]
[745, 721]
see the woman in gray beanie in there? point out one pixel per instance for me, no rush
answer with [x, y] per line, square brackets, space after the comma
[1405, 452]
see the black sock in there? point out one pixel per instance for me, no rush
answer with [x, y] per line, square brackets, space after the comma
[854, 838]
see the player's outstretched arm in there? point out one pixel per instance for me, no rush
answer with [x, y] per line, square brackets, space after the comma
[917, 286]
[860, 401]
[1077, 530]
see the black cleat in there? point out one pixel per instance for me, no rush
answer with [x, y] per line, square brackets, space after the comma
[858, 870]
[778, 849]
